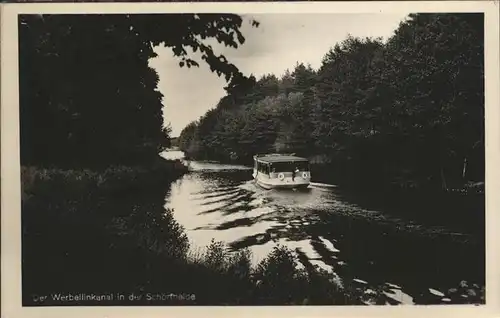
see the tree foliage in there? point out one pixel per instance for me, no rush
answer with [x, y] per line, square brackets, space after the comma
[406, 111]
[87, 94]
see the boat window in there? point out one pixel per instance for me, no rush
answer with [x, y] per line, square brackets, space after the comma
[262, 167]
[290, 166]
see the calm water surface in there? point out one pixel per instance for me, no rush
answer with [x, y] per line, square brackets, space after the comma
[408, 246]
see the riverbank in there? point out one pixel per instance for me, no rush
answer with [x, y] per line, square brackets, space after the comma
[362, 178]
[112, 180]
[81, 226]
[108, 233]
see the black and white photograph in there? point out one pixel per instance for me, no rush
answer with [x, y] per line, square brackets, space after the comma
[252, 159]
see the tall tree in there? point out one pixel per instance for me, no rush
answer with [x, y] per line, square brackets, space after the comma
[88, 96]
[435, 67]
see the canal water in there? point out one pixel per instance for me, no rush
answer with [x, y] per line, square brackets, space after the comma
[409, 246]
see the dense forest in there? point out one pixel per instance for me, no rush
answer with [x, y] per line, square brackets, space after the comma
[88, 97]
[408, 111]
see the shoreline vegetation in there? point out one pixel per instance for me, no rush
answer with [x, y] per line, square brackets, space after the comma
[89, 232]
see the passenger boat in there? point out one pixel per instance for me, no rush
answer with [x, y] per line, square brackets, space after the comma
[281, 171]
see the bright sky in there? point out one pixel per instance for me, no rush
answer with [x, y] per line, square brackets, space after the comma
[276, 45]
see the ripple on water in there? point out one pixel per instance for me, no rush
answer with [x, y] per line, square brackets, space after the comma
[329, 245]
[399, 296]
[200, 166]
[215, 194]
[230, 235]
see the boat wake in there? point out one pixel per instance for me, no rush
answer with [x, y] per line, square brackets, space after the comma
[322, 185]
[214, 166]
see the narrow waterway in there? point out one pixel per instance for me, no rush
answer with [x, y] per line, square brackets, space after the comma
[410, 247]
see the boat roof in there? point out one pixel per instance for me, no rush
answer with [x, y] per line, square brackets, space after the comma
[279, 158]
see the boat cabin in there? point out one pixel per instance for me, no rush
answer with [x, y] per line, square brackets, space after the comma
[269, 164]
[281, 170]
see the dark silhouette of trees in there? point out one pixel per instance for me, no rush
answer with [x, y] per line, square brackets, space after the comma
[408, 111]
[88, 97]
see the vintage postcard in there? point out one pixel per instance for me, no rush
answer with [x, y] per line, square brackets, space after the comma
[300, 159]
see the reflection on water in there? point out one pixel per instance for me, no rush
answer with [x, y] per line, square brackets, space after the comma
[373, 247]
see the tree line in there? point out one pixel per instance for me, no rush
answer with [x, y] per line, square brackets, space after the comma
[408, 111]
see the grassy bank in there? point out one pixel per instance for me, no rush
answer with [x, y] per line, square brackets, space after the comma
[113, 180]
